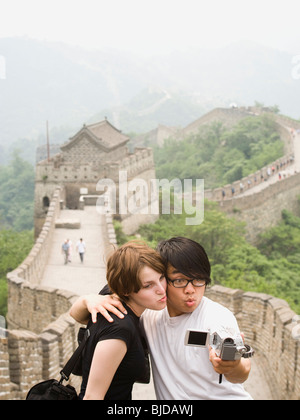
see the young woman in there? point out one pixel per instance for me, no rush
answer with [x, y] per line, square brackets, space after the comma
[114, 358]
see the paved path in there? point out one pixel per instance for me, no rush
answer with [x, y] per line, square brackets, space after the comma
[85, 278]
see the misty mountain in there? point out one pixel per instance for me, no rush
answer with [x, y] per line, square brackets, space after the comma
[70, 86]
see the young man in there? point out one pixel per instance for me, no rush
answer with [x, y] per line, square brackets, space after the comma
[80, 247]
[182, 372]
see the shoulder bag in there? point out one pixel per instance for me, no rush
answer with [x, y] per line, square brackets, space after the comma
[53, 389]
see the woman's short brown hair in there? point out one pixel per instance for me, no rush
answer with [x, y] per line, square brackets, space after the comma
[125, 264]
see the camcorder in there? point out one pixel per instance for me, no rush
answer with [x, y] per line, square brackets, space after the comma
[226, 344]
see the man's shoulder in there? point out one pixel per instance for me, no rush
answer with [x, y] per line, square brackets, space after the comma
[150, 315]
[215, 314]
[211, 305]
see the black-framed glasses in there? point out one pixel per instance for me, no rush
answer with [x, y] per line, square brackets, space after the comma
[181, 283]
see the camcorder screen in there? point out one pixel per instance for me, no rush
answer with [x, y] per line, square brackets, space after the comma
[197, 338]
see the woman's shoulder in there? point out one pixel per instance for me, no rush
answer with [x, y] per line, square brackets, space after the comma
[124, 328]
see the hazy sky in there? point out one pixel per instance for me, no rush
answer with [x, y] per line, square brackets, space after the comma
[154, 26]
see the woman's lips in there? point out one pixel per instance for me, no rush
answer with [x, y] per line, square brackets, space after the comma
[164, 299]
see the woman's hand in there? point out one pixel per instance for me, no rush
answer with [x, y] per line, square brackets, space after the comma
[93, 304]
[103, 304]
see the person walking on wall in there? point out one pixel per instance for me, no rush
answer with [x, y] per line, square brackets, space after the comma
[80, 247]
[65, 250]
[70, 250]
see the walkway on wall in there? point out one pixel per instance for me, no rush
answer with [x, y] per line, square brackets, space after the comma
[290, 170]
[85, 278]
[295, 167]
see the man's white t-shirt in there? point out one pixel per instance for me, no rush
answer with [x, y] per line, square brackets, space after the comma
[81, 247]
[183, 372]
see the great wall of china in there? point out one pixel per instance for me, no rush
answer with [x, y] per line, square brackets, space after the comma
[41, 335]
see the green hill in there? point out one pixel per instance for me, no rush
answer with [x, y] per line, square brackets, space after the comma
[218, 155]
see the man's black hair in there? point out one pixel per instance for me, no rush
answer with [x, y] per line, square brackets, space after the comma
[186, 256]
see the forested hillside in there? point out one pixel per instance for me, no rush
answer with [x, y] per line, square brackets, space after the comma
[221, 156]
[16, 194]
[16, 218]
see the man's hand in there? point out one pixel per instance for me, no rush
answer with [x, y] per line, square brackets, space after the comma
[222, 367]
[235, 371]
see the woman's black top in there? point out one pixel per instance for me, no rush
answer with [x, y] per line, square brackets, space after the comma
[133, 365]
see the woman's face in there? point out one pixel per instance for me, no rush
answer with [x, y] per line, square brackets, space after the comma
[152, 294]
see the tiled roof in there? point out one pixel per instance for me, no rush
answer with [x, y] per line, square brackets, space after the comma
[103, 134]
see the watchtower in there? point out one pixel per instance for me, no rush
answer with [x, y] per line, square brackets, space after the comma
[98, 151]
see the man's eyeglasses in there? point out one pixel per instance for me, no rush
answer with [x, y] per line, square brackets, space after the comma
[181, 283]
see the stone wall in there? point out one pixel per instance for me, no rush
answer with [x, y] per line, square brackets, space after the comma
[41, 335]
[280, 166]
[264, 209]
[27, 358]
[268, 325]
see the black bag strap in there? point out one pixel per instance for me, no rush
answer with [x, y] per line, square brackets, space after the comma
[71, 363]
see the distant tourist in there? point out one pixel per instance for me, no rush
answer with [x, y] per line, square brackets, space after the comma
[70, 250]
[65, 250]
[80, 247]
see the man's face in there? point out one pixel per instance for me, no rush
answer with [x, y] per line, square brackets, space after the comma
[182, 300]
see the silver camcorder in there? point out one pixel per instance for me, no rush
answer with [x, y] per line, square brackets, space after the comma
[227, 346]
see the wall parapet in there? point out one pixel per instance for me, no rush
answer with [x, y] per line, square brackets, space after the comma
[28, 358]
[268, 324]
[234, 190]
[24, 293]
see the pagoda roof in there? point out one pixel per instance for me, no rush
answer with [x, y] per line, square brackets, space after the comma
[103, 134]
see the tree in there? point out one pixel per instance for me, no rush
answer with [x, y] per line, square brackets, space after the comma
[14, 247]
[17, 194]
[219, 155]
